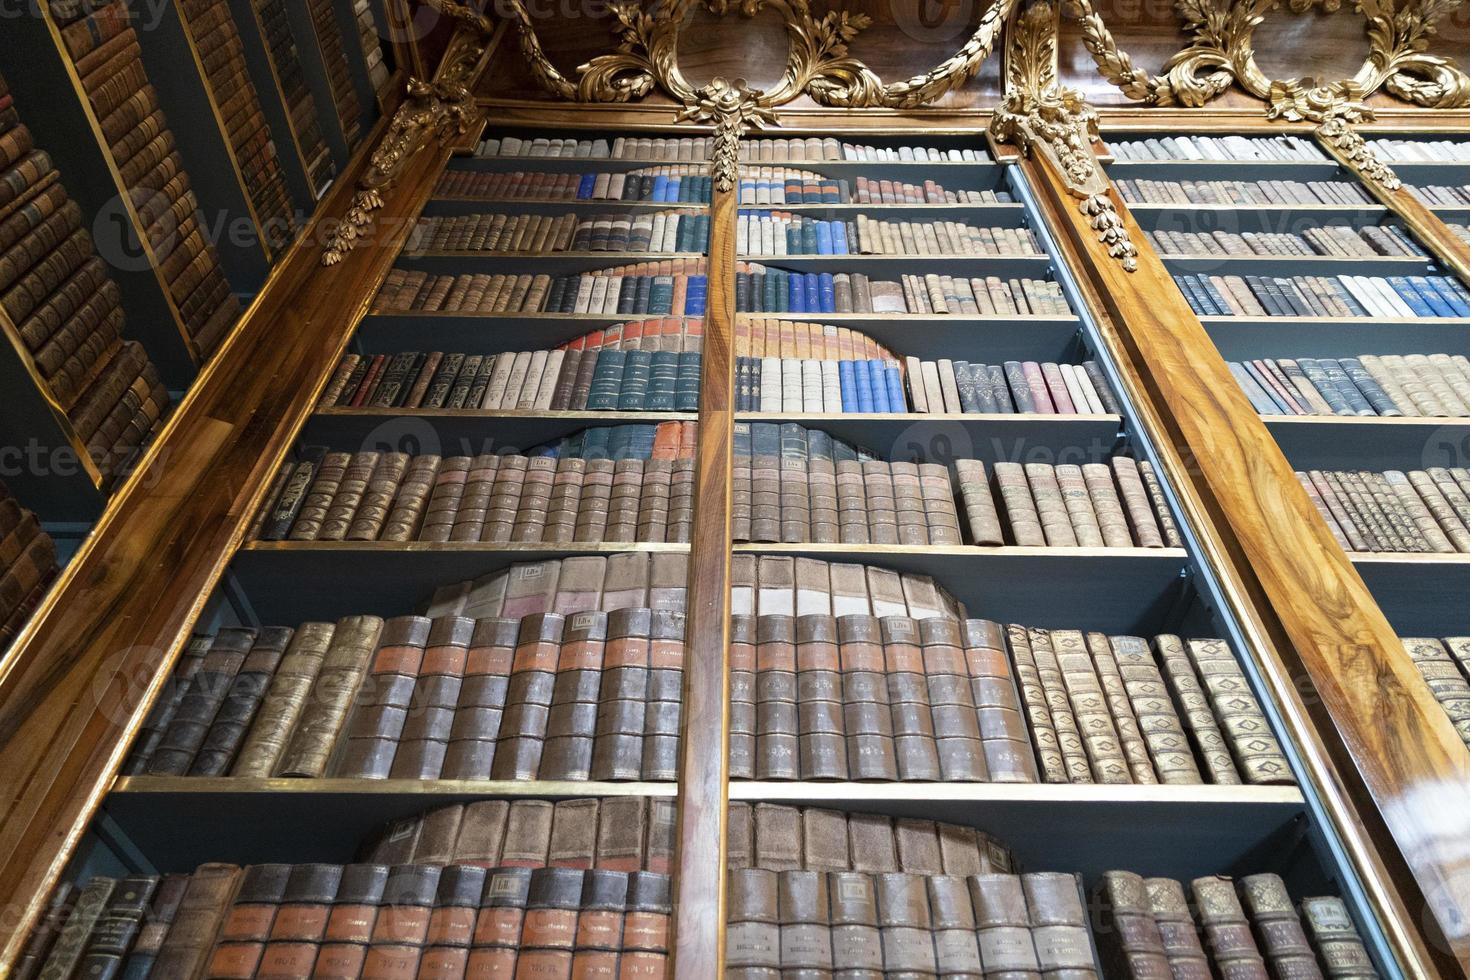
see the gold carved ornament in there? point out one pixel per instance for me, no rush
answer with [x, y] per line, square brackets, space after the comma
[433, 110]
[1222, 53]
[1044, 118]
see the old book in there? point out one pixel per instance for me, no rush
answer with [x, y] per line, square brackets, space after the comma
[1277, 928]
[300, 923]
[353, 644]
[1339, 948]
[1009, 753]
[980, 510]
[1257, 753]
[247, 926]
[1007, 949]
[1148, 694]
[1034, 697]
[238, 709]
[1170, 906]
[1059, 925]
[1089, 705]
[1130, 941]
[904, 923]
[1199, 720]
[1227, 929]
[1115, 691]
[200, 704]
[1069, 734]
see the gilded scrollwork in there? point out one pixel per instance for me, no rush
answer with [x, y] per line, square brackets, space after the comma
[1042, 117]
[733, 107]
[432, 110]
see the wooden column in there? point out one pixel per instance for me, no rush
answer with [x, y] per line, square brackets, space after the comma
[704, 765]
[78, 682]
[1389, 767]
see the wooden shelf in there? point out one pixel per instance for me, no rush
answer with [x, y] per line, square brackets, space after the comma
[1369, 442]
[461, 432]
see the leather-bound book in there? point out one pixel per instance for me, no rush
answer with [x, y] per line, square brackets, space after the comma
[952, 916]
[549, 935]
[912, 718]
[777, 837]
[572, 717]
[573, 841]
[353, 645]
[482, 692]
[903, 914]
[599, 937]
[162, 713]
[1136, 503]
[1277, 928]
[1227, 929]
[1148, 695]
[1094, 717]
[1009, 754]
[201, 703]
[1257, 753]
[206, 901]
[66, 952]
[238, 710]
[402, 925]
[805, 934]
[646, 926]
[777, 748]
[424, 739]
[58, 911]
[287, 506]
[857, 944]
[867, 716]
[1021, 513]
[822, 744]
[1069, 735]
[370, 738]
[117, 927]
[438, 835]
[1004, 923]
[246, 928]
[957, 731]
[452, 922]
[1115, 692]
[1199, 721]
[742, 658]
[617, 751]
[1059, 926]
[1034, 698]
[622, 831]
[1130, 942]
[663, 709]
[301, 921]
[284, 701]
[528, 698]
[753, 930]
[499, 925]
[1339, 947]
[313, 510]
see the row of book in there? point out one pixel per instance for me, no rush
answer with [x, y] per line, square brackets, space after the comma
[661, 231]
[1442, 195]
[1369, 241]
[1327, 296]
[1421, 151]
[332, 47]
[1117, 504]
[795, 150]
[796, 485]
[107, 58]
[601, 485]
[1285, 193]
[1421, 511]
[1461, 231]
[592, 695]
[668, 287]
[764, 289]
[371, 40]
[783, 185]
[784, 233]
[941, 700]
[1445, 666]
[674, 184]
[490, 881]
[1218, 148]
[216, 37]
[1412, 385]
[789, 384]
[66, 309]
[301, 107]
[27, 565]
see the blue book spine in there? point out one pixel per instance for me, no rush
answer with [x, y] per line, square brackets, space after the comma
[1449, 291]
[663, 382]
[894, 378]
[811, 292]
[880, 386]
[824, 237]
[847, 382]
[594, 443]
[796, 296]
[864, 386]
[584, 189]
[839, 238]
[661, 187]
[783, 292]
[1421, 304]
[827, 292]
[607, 380]
[793, 240]
[686, 390]
[696, 296]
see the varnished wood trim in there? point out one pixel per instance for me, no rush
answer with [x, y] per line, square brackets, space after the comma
[704, 760]
[521, 788]
[1378, 750]
[44, 392]
[78, 681]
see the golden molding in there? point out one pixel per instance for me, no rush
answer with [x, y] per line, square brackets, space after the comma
[1222, 53]
[1041, 116]
[434, 110]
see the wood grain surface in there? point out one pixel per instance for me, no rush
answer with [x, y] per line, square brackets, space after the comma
[1384, 758]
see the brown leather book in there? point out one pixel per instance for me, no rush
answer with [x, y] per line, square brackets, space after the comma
[528, 698]
[1034, 697]
[201, 702]
[285, 700]
[1069, 735]
[646, 926]
[1257, 753]
[957, 730]
[424, 739]
[621, 833]
[777, 749]
[247, 926]
[1004, 923]
[403, 921]
[753, 930]
[1199, 721]
[353, 644]
[451, 926]
[1115, 691]
[1059, 926]
[905, 924]
[742, 658]
[618, 746]
[599, 935]
[1130, 941]
[1163, 732]
[857, 944]
[549, 934]
[1339, 948]
[301, 921]
[238, 709]
[1227, 929]
[1094, 717]
[1277, 928]
[369, 739]
[867, 715]
[573, 841]
[499, 926]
